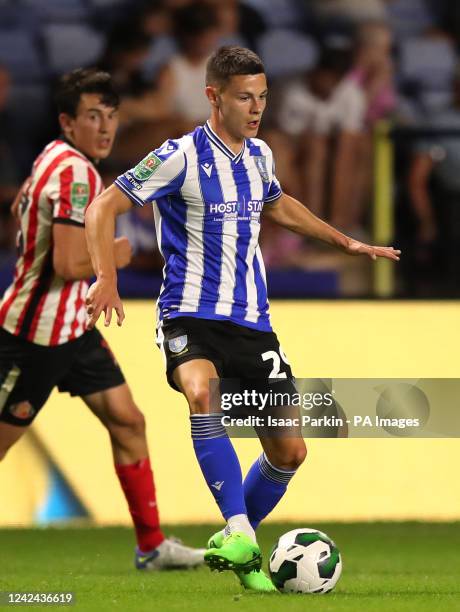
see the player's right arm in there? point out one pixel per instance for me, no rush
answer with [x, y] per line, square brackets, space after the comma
[100, 229]
[159, 174]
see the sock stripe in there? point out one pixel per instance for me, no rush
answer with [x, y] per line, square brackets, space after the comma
[206, 426]
[273, 473]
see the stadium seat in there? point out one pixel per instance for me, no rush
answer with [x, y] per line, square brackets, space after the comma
[19, 53]
[286, 52]
[70, 46]
[57, 10]
[105, 4]
[282, 13]
[427, 62]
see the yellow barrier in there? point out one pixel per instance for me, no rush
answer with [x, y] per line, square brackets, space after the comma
[341, 479]
[383, 217]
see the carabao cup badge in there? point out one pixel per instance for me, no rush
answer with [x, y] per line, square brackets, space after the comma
[176, 345]
[147, 167]
[261, 164]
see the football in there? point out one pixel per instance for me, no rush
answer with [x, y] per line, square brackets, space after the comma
[305, 561]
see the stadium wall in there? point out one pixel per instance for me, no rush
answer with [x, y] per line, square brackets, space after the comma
[343, 479]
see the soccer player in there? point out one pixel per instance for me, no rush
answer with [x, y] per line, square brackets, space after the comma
[209, 189]
[44, 340]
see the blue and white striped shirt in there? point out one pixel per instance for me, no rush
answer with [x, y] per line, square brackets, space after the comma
[207, 204]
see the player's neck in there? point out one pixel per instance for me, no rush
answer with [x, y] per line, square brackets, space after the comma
[235, 144]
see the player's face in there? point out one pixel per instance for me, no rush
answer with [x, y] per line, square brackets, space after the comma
[241, 104]
[92, 130]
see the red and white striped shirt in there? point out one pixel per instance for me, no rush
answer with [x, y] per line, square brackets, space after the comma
[39, 306]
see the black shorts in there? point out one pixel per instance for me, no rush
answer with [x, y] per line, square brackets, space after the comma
[29, 372]
[237, 352]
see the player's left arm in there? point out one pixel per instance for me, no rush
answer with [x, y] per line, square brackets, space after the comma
[293, 215]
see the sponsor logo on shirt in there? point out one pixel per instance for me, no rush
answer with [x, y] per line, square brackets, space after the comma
[242, 210]
[133, 181]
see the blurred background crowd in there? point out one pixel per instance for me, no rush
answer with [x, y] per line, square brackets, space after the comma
[346, 77]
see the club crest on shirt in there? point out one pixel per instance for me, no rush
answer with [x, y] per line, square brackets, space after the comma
[79, 194]
[176, 345]
[261, 164]
[147, 167]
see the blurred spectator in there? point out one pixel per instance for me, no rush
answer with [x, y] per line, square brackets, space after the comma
[239, 23]
[9, 181]
[434, 189]
[196, 29]
[8, 175]
[321, 116]
[345, 15]
[373, 72]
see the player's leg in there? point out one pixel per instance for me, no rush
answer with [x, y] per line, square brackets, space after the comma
[267, 480]
[125, 425]
[264, 361]
[220, 467]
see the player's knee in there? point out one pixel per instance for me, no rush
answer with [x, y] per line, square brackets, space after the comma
[132, 420]
[198, 399]
[136, 421]
[290, 458]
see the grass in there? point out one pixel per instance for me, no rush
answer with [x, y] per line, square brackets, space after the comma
[387, 566]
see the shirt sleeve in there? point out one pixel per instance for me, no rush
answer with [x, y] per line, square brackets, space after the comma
[160, 173]
[70, 189]
[274, 189]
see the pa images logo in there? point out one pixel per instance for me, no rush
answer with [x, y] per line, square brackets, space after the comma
[22, 410]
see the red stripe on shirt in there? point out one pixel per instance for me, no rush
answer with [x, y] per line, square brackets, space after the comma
[78, 305]
[60, 314]
[65, 182]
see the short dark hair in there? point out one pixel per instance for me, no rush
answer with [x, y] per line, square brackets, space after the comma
[230, 61]
[84, 80]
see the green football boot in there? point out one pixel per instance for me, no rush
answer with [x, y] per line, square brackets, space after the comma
[238, 552]
[257, 581]
[216, 540]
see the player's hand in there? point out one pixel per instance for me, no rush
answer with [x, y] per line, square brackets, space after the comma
[123, 252]
[359, 248]
[103, 297]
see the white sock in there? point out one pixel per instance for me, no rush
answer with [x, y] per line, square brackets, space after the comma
[240, 522]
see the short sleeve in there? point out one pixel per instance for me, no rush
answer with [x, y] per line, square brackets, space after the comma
[274, 189]
[160, 173]
[349, 105]
[70, 189]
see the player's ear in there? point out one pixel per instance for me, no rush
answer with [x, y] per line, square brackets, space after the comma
[66, 123]
[211, 93]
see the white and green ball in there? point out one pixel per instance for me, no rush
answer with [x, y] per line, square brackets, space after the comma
[305, 561]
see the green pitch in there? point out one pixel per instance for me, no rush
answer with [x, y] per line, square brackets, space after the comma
[387, 566]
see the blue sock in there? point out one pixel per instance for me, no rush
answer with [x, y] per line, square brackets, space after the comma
[264, 486]
[219, 463]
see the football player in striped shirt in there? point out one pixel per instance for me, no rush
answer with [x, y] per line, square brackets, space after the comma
[209, 190]
[44, 340]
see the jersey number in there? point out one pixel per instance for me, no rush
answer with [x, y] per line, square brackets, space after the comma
[275, 373]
